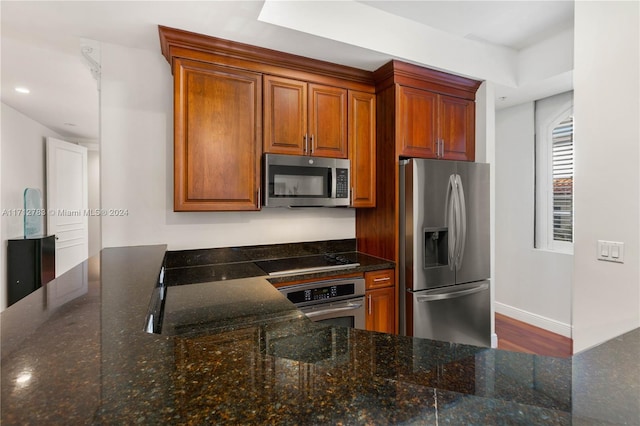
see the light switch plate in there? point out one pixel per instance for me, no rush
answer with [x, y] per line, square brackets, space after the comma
[610, 251]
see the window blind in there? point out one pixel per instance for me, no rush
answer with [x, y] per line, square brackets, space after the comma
[562, 170]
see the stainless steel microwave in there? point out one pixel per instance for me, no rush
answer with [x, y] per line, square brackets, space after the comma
[304, 181]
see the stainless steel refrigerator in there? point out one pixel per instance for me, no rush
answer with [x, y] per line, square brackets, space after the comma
[445, 251]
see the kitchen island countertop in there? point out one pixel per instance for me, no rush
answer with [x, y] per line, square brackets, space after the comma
[76, 352]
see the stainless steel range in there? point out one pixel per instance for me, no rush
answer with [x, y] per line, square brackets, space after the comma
[307, 264]
[336, 302]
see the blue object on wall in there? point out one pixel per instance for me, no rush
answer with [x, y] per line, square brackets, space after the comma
[33, 213]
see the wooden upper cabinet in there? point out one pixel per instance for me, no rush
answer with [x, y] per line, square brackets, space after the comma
[417, 122]
[432, 125]
[362, 148]
[304, 119]
[457, 128]
[217, 129]
[285, 115]
[224, 92]
[327, 121]
[428, 113]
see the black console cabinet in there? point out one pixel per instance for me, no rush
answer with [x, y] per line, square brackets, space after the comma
[31, 263]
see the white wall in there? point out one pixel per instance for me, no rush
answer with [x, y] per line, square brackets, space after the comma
[23, 166]
[486, 153]
[531, 285]
[137, 171]
[606, 296]
[23, 159]
[3, 276]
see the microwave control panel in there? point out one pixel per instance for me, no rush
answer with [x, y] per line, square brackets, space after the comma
[342, 183]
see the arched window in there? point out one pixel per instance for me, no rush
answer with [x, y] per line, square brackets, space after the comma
[562, 180]
[554, 173]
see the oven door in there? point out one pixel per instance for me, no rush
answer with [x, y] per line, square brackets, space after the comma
[346, 313]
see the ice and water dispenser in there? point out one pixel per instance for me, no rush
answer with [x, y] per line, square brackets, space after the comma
[436, 247]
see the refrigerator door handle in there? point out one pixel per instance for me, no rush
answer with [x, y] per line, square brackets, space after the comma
[450, 293]
[462, 232]
[449, 221]
[457, 221]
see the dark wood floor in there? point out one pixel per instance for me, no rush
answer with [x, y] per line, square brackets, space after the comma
[518, 336]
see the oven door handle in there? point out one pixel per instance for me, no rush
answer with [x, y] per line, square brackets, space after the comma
[349, 307]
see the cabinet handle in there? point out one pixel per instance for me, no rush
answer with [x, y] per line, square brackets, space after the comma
[377, 280]
[369, 303]
[311, 144]
[306, 143]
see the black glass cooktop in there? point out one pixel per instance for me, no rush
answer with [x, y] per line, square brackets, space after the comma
[307, 264]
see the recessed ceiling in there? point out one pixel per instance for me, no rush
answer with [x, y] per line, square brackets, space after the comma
[513, 24]
[41, 41]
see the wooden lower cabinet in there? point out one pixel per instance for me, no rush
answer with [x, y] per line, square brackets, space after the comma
[380, 298]
[381, 310]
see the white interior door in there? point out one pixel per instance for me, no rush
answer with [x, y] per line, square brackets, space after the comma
[67, 202]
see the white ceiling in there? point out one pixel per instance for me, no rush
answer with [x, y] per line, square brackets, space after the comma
[514, 24]
[40, 44]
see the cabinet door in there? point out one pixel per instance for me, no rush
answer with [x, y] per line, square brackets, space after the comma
[217, 145]
[362, 148]
[457, 128]
[381, 310]
[417, 122]
[327, 121]
[285, 116]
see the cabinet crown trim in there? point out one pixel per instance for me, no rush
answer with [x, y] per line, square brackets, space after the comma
[173, 42]
[398, 72]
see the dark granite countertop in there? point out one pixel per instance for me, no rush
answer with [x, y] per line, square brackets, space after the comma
[76, 352]
[206, 265]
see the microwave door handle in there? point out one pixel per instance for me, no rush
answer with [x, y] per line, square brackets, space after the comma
[332, 183]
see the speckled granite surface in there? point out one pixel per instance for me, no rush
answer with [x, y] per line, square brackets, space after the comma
[75, 352]
[206, 265]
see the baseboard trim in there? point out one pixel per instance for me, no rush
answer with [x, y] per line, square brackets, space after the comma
[534, 319]
[494, 340]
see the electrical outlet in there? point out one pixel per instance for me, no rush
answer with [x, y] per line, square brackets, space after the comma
[610, 251]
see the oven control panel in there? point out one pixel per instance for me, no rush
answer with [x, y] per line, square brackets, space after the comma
[321, 293]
